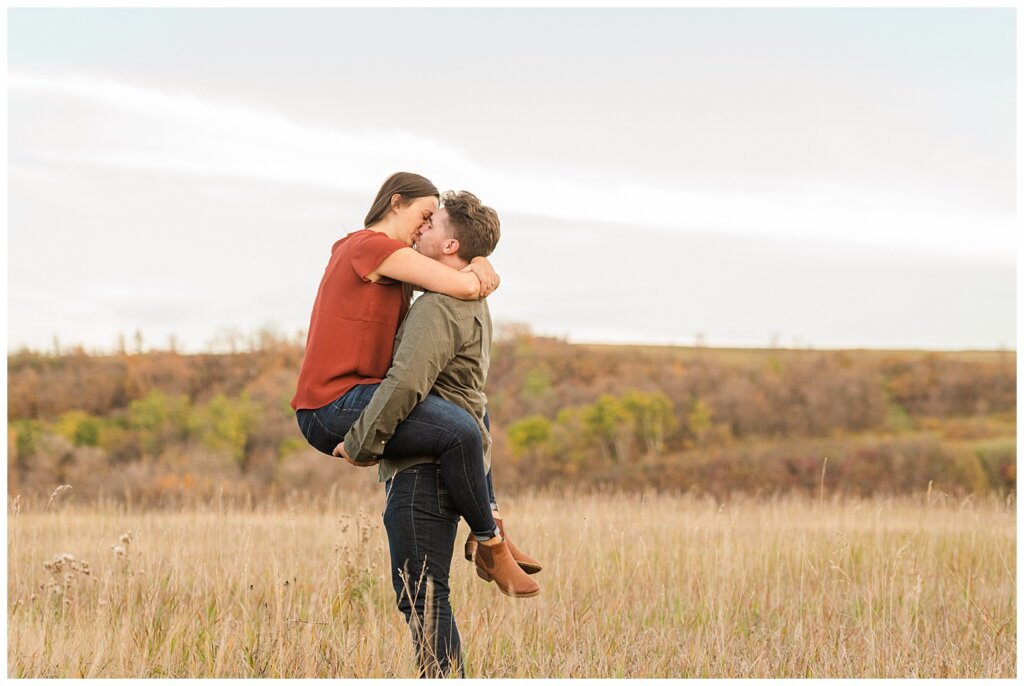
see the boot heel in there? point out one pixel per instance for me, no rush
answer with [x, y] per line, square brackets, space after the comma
[484, 575]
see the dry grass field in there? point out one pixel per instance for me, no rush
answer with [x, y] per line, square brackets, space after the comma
[652, 586]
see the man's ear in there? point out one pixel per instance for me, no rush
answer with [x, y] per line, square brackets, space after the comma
[451, 246]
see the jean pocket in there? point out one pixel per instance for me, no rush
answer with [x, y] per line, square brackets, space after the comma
[445, 506]
[337, 422]
[356, 399]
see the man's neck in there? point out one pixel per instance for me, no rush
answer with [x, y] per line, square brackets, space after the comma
[453, 261]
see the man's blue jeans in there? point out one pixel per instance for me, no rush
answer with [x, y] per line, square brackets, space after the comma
[421, 521]
[434, 427]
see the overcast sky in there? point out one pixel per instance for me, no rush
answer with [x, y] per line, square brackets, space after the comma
[822, 177]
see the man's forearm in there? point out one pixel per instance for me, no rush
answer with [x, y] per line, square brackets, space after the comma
[391, 403]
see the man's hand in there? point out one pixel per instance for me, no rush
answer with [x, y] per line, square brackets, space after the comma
[339, 451]
[489, 280]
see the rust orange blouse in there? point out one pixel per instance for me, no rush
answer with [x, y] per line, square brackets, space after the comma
[352, 329]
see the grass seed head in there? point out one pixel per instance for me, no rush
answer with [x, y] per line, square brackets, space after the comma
[60, 490]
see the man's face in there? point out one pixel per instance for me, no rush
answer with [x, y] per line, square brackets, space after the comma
[433, 235]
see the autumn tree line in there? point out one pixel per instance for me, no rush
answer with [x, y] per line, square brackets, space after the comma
[160, 425]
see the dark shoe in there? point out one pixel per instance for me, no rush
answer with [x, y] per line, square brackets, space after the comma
[495, 563]
[526, 563]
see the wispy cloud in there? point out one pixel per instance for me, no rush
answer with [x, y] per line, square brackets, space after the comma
[87, 120]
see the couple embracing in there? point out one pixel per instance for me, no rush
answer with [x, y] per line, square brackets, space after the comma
[401, 387]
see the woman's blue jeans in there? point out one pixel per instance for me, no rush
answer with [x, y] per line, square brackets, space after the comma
[421, 521]
[434, 427]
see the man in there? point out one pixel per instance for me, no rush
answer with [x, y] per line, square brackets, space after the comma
[443, 347]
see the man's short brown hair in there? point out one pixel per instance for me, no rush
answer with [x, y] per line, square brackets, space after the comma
[474, 225]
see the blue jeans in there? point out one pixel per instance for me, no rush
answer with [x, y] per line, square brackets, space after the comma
[490, 483]
[434, 427]
[421, 520]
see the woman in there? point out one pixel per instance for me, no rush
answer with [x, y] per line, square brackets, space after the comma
[359, 305]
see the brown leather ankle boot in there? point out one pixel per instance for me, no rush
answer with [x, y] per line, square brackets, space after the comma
[495, 563]
[526, 563]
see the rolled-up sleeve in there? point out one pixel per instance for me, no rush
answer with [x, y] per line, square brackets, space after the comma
[430, 339]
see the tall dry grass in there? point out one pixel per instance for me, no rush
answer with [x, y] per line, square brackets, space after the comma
[652, 586]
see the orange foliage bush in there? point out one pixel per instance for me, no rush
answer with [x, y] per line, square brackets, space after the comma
[161, 424]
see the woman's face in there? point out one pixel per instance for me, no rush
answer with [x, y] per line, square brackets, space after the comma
[414, 216]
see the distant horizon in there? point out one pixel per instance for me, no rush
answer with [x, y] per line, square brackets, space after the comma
[247, 342]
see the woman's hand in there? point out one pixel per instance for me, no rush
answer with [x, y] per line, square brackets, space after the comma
[489, 280]
[339, 451]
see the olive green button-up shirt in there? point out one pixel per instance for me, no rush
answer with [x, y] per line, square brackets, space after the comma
[443, 347]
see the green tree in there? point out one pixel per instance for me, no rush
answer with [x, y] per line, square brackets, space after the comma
[698, 421]
[79, 427]
[611, 425]
[226, 424]
[27, 433]
[653, 417]
[570, 441]
[529, 436]
[158, 419]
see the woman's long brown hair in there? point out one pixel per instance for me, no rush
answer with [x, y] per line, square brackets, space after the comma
[408, 185]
